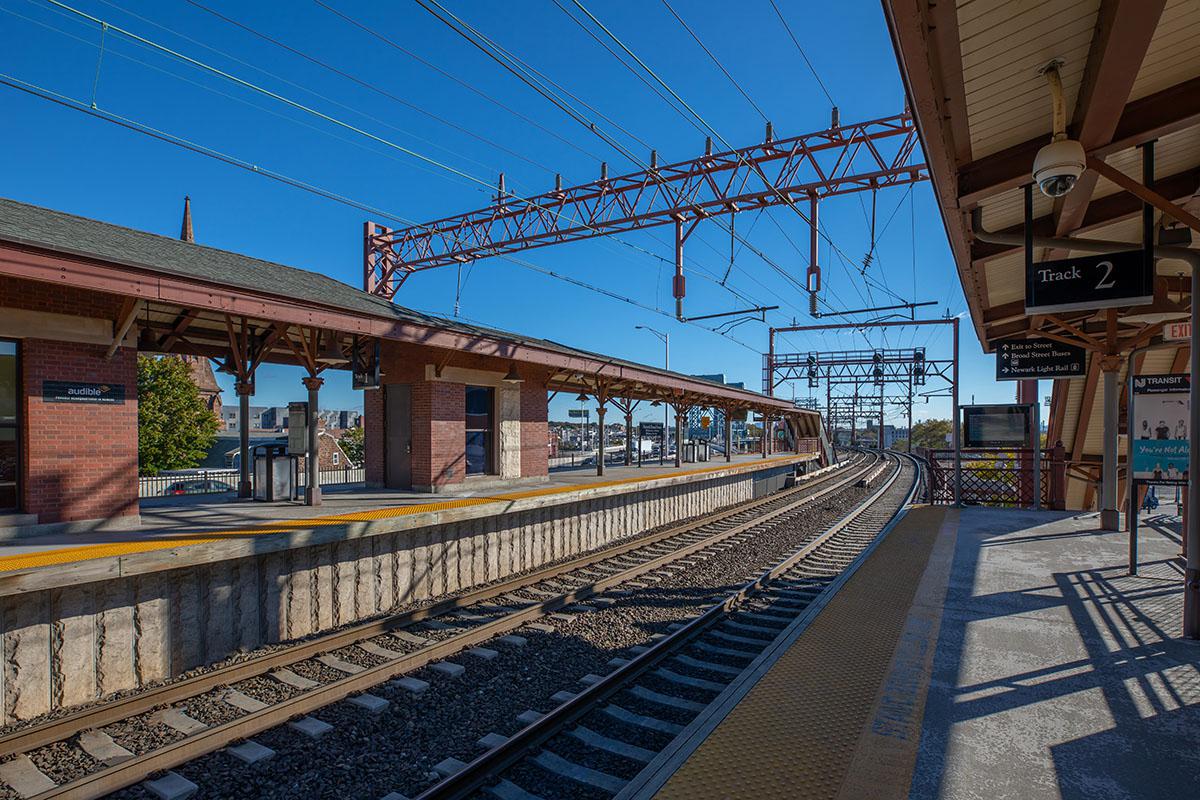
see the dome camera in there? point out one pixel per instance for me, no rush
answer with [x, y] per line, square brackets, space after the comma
[1058, 166]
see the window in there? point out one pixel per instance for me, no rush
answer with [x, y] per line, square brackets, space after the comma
[337, 458]
[481, 400]
[10, 427]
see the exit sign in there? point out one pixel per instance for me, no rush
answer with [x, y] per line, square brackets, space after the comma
[1177, 331]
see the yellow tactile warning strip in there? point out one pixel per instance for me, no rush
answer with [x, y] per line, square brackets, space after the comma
[67, 555]
[796, 732]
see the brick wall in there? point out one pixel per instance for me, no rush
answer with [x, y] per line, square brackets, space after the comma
[373, 436]
[79, 460]
[535, 430]
[439, 433]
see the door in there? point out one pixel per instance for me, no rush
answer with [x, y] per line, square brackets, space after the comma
[397, 421]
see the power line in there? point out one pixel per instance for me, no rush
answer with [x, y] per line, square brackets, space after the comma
[803, 55]
[716, 61]
[360, 82]
[459, 81]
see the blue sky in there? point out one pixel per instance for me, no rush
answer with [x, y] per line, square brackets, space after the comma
[67, 160]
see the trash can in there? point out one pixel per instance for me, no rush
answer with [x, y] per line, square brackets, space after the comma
[274, 473]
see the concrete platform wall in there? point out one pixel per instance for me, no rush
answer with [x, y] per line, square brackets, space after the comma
[66, 646]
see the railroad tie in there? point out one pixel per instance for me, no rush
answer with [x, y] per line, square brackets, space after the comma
[289, 678]
[622, 714]
[23, 777]
[488, 741]
[688, 680]
[100, 746]
[171, 786]
[609, 745]
[722, 651]
[506, 790]
[177, 720]
[649, 695]
[411, 638]
[578, 773]
[242, 701]
[250, 752]
[711, 666]
[376, 650]
[341, 665]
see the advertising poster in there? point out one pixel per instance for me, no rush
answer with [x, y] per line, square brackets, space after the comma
[1160, 429]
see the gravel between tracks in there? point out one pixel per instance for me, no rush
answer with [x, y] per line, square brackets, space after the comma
[369, 756]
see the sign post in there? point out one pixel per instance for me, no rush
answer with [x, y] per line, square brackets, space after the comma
[1159, 440]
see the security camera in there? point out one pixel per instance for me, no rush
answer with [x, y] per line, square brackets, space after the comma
[1058, 166]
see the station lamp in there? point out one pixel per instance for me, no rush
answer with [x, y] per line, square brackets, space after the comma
[331, 351]
[513, 376]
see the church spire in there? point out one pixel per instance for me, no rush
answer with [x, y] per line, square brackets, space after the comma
[186, 232]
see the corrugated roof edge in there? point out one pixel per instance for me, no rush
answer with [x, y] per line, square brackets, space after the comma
[64, 233]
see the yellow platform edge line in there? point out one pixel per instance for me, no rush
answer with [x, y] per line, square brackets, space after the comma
[88, 552]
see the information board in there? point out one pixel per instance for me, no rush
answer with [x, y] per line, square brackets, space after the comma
[1087, 282]
[1161, 444]
[1025, 359]
[997, 425]
[650, 430]
[577, 412]
[297, 428]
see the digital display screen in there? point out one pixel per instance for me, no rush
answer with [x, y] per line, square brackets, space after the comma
[996, 426]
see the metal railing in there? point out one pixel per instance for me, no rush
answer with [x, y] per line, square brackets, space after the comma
[219, 481]
[998, 477]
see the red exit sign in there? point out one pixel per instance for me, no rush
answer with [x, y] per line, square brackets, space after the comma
[1177, 331]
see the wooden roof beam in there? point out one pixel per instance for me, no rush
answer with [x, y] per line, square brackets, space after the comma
[1100, 212]
[1151, 117]
[1123, 33]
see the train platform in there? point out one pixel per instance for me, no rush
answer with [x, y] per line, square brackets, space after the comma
[171, 532]
[974, 653]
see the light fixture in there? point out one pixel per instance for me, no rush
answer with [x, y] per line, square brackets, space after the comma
[331, 351]
[583, 398]
[513, 376]
[1161, 309]
[656, 403]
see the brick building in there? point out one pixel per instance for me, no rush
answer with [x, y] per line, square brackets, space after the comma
[446, 404]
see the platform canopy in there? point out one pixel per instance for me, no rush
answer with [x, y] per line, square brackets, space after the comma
[1130, 72]
[181, 297]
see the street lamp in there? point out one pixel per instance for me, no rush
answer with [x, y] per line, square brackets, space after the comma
[666, 340]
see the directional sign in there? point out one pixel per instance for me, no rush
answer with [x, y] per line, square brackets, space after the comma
[650, 430]
[1087, 282]
[577, 412]
[1177, 331]
[1031, 359]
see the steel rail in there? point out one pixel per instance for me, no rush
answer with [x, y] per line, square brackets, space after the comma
[112, 778]
[32, 737]
[489, 766]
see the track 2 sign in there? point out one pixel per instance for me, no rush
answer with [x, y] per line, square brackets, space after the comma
[1087, 282]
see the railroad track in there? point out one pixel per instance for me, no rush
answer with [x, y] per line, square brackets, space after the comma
[357, 658]
[595, 743]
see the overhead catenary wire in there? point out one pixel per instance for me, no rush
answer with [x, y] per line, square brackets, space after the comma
[716, 61]
[803, 54]
[366, 85]
[425, 62]
[75, 104]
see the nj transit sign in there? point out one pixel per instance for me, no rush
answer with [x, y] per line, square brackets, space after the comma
[1161, 443]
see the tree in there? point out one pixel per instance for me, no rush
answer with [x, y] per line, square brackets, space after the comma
[931, 434]
[175, 427]
[352, 445]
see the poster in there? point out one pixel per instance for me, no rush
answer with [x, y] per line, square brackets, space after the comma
[1160, 429]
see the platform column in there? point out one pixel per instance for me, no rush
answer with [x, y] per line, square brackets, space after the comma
[766, 434]
[1110, 515]
[728, 412]
[600, 411]
[312, 492]
[1191, 528]
[629, 438]
[678, 436]
[244, 390]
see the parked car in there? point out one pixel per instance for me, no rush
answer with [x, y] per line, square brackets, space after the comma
[196, 487]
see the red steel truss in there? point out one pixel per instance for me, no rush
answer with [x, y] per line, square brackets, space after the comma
[840, 160]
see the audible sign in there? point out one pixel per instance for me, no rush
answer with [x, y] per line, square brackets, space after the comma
[1087, 282]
